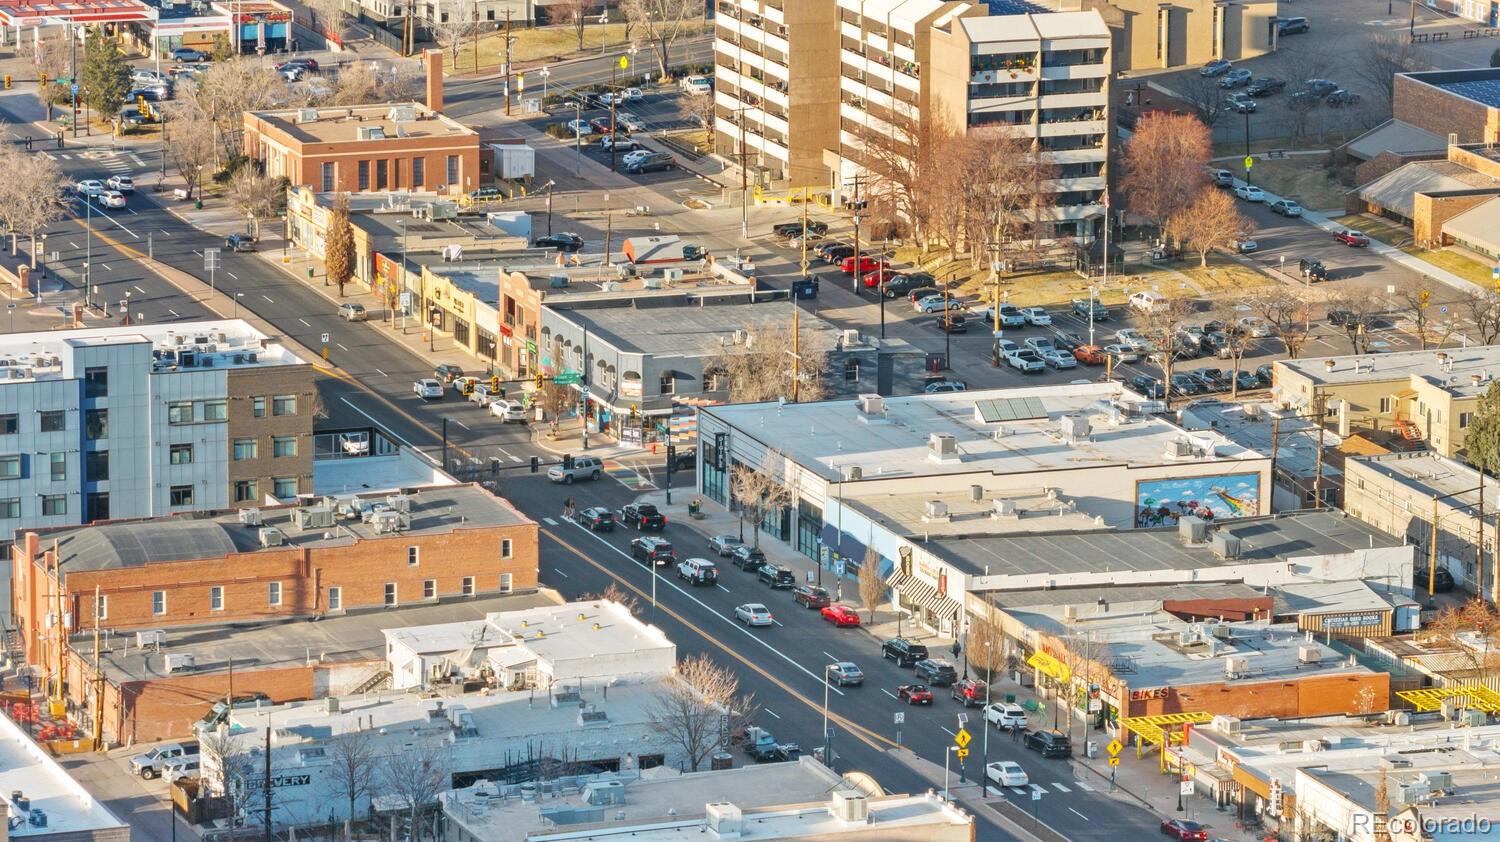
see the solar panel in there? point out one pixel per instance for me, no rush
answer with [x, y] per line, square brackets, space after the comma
[1486, 91]
[1014, 7]
[1010, 409]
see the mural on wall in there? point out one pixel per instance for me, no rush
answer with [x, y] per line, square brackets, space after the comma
[1162, 502]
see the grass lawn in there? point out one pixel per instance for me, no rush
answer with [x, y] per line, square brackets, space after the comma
[1378, 229]
[698, 139]
[1328, 141]
[550, 44]
[1301, 177]
[1389, 233]
[1223, 274]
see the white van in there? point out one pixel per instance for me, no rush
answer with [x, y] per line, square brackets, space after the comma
[1148, 302]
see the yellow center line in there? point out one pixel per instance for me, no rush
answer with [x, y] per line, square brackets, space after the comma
[874, 740]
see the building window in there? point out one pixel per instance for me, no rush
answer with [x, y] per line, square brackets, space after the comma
[505, 583]
[418, 172]
[10, 508]
[181, 454]
[96, 424]
[96, 465]
[97, 504]
[382, 173]
[101, 607]
[364, 175]
[216, 598]
[158, 603]
[54, 504]
[284, 488]
[505, 548]
[328, 183]
[215, 411]
[284, 405]
[182, 495]
[96, 382]
[1464, 418]
[10, 424]
[258, 406]
[452, 169]
[390, 593]
[10, 467]
[245, 491]
[335, 599]
[180, 412]
[468, 586]
[246, 449]
[429, 589]
[1385, 406]
[413, 556]
[283, 446]
[851, 371]
[54, 421]
[668, 383]
[273, 593]
[59, 465]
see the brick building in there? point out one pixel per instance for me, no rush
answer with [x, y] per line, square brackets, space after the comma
[390, 146]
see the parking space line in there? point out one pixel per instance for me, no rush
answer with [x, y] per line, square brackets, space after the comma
[1060, 787]
[304, 323]
[946, 731]
[721, 587]
[558, 570]
[888, 693]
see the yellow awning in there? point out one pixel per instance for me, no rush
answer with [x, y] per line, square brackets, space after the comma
[1469, 695]
[1152, 728]
[1050, 667]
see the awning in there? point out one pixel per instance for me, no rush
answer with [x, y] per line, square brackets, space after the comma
[923, 597]
[1050, 666]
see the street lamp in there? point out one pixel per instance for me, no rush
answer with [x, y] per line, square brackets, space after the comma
[827, 735]
[545, 72]
[549, 185]
[237, 297]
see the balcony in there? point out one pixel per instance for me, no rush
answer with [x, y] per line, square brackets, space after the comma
[1078, 156]
[1088, 210]
[1083, 183]
[1003, 76]
[1092, 100]
[1075, 71]
[1073, 127]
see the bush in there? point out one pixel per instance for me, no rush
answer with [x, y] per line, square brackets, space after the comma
[560, 131]
[231, 167]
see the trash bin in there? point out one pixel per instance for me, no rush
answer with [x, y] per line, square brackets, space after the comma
[1010, 698]
[694, 507]
[1091, 748]
[935, 363]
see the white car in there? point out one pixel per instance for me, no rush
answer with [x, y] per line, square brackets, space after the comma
[632, 95]
[465, 383]
[112, 199]
[1148, 301]
[938, 304]
[1025, 360]
[481, 394]
[1255, 326]
[122, 183]
[1037, 316]
[629, 122]
[1059, 359]
[1006, 773]
[89, 187]
[143, 77]
[1122, 353]
[508, 411]
[1132, 338]
[753, 614]
[428, 389]
[1041, 345]
[1005, 715]
[580, 128]
[1250, 193]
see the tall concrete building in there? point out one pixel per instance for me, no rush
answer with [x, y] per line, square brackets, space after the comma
[141, 421]
[798, 86]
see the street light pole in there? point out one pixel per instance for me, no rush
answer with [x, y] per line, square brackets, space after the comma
[827, 738]
[550, 184]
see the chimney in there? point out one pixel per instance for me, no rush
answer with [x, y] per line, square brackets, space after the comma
[432, 61]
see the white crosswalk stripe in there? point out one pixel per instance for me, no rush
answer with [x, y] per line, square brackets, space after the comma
[1017, 790]
[1059, 787]
[550, 521]
[1083, 785]
[1038, 788]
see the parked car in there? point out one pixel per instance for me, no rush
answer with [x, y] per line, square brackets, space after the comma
[840, 615]
[1341, 98]
[723, 545]
[904, 652]
[428, 389]
[629, 122]
[747, 558]
[970, 692]
[952, 323]
[653, 162]
[1025, 361]
[642, 516]
[1441, 583]
[1132, 338]
[579, 128]
[1217, 67]
[778, 577]
[1147, 301]
[941, 386]
[1005, 715]
[1320, 87]
[1244, 381]
[1009, 315]
[304, 63]
[1090, 355]
[122, 183]
[1241, 103]
[1255, 326]
[153, 762]
[568, 242]
[937, 672]
[698, 571]
[352, 312]
[1122, 353]
[811, 596]
[652, 550]
[1148, 386]
[1313, 269]
[834, 252]
[597, 519]
[1238, 77]
[1049, 743]
[1221, 178]
[1218, 379]
[1186, 385]
[938, 304]
[866, 264]
[1345, 318]
[1244, 246]
[1006, 773]
[1285, 207]
[1264, 374]
[1352, 239]
[187, 55]
[754, 614]
[1085, 308]
[914, 694]
[1036, 316]
[1265, 86]
[1249, 193]
[845, 674]
[1291, 26]
[1184, 830]
[575, 468]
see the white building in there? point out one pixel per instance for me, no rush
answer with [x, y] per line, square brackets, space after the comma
[44, 802]
[539, 648]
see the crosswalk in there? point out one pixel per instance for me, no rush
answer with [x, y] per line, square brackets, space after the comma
[117, 161]
[1058, 786]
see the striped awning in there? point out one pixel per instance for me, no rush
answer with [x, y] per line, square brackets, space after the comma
[921, 596]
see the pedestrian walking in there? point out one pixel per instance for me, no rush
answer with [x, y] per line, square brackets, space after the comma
[1015, 733]
[568, 509]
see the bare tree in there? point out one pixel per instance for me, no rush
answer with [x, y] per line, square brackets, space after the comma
[1382, 57]
[1483, 308]
[662, 21]
[415, 777]
[49, 57]
[759, 367]
[191, 147]
[1471, 631]
[1205, 95]
[900, 155]
[762, 490]
[225, 765]
[29, 195]
[701, 110]
[1356, 308]
[1162, 327]
[986, 645]
[1165, 164]
[1008, 192]
[256, 195]
[1235, 343]
[328, 14]
[871, 586]
[1211, 221]
[352, 766]
[554, 401]
[338, 244]
[1414, 302]
[617, 594]
[687, 707]
[227, 90]
[576, 12]
[1288, 314]
[456, 21]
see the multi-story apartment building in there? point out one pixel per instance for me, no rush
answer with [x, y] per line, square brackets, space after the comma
[800, 87]
[142, 421]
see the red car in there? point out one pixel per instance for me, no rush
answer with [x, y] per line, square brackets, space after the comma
[810, 595]
[970, 692]
[1353, 239]
[878, 277]
[1089, 355]
[841, 615]
[866, 264]
[914, 694]
[1185, 830]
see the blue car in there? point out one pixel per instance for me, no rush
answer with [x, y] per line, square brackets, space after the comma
[185, 54]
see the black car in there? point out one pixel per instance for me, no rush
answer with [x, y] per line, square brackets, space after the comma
[1218, 379]
[779, 578]
[567, 242]
[836, 253]
[824, 247]
[642, 516]
[652, 550]
[791, 229]
[918, 293]
[597, 519]
[447, 372]
[1067, 342]
[1320, 87]
[952, 323]
[1341, 98]
[1245, 381]
[1442, 583]
[748, 559]
[1291, 26]
[302, 63]
[239, 242]
[1148, 386]
[1263, 374]
[904, 652]
[899, 285]
[1313, 269]
[1303, 100]
[1265, 86]
[1049, 743]
[156, 94]
[1185, 385]
[936, 672]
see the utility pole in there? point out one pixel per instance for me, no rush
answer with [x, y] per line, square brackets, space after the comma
[796, 351]
[744, 180]
[857, 181]
[609, 229]
[583, 378]
[507, 62]
[73, 98]
[614, 136]
[476, 46]
[99, 681]
[267, 787]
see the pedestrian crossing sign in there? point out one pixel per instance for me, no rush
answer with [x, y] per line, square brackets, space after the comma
[1114, 761]
[962, 738]
[1114, 748]
[962, 753]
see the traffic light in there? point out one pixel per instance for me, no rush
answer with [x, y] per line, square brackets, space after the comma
[568, 461]
[7, 81]
[536, 464]
[1424, 296]
[41, 80]
[140, 103]
[539, 380]
[468, 387]
[494, 382]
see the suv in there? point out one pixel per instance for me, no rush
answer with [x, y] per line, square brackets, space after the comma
[748, 559]
[970, 692]
[652, 549]
[698, 571]
[779, 578]
[642, 516]
[811, 596]
[1148, 386]
[1313, 269]
[1049, 743]
[937, 672]
[576, 468]
[1005, 715]
[903, 651]
[239, 242]
[655, 162]
[447, 372]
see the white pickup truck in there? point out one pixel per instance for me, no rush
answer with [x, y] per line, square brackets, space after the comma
[154, 762]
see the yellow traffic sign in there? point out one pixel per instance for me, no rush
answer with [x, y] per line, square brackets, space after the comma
[1114, 761]
[1249, 162]
[1114, 747]
[962, 738]
[962, 753]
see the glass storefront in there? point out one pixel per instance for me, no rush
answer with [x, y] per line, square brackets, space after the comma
[715, 481]
[809, 522]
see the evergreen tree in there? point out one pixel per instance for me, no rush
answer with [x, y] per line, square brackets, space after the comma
[221, 48]
[106, 76]
[338, 244]
[1483, 439]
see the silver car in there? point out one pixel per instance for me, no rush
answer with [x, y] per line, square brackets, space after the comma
[576, 468]
[845, 674]
[753, 614]
[723, 545]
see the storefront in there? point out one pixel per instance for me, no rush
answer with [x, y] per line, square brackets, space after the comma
[262, 27]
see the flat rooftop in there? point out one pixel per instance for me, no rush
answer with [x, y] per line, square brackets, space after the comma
[1482, 85]
[1455, 370]
[549, 632]
[353, 637]
[230, 343]
[686, 331]
[1255, 425]
[1262, 539]
[394, 229]
[434, 510]
[344, 124]
[372, 474]
[1035, 512]
[1119, 597]
[1431, 474]
[71, 811]
[999, 431]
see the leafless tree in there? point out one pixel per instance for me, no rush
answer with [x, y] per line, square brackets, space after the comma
[224, 93]
[330, 15]
[415, 776]
[1235, 343]
[49, 56]
[353, 763]
[1380, 59]
[700, 109]
[1359, 307]
[871, 586]
[1205, 95]
[900, 155]
[190, 147]
[1470, 631]
[760, 366]
[455, 23]
[1165, 164]
[1212, 221]
[225, 765]
[762, 489]
[1483, 308]
[1162, 327]
[554, 401]
[576, 12]
[687, 707]
[986, 645]
[617, 594]
[29, 195]
[257, 195]
[662, 21]
[1414, 303]
[1288, 314]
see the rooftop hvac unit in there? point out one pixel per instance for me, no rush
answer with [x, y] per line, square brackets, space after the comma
[942, 446]
[600, 793]
[1236, 666]
[849, 338]
[850, 807]
[724, 819]
[871, 404]
[653, 283]
[673, 274]
[935, 510]
[1412, 793]
[557, 282]
[1227, 725]
[388, 521]
[1192, 530]
[1309, 655]
[371, 133]
[1179, 449]
[1222, 631]
[151, 637]
[307, 115]
[181, 662]
[250, 517]
[1437, 781]
[1074, 427]
[1004, 508]
[401, 113]
[270, 536]
[1226, 545]
[1313, 745]
[399, 502]
[313, 517]
[855, 472]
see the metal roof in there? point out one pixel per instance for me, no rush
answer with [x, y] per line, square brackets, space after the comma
[133, 544]
[1479, 225]
[1395, 190]
[1396, 136]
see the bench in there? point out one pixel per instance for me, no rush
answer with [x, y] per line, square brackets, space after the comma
[180, 194]
[1426, 37]
[1481, 33]
[1032, 706]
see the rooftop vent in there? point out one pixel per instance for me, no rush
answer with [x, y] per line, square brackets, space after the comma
[942, 447]
[850, 339]
[935, 510]
[1226, 545]
[850, 807]
[724, 819]
[1192, 530]
[1329, 365]
[401, 113]
[307, 115]
[976, 493]
[1004, 508]
[871, 404]
[1075, 428]
[1309, 655]
[1178, 449]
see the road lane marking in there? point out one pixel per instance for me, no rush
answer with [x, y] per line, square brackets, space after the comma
[559, 570]
[139, 290]
[721, 587]
[888, 693]
[830, 657]
[1083, 785]
[175, 314]
[231, 274]
[304, 322]
[771, 712]
[107, 267]
[199, 253]
[267, 298]
[1060, 788]
[165, 232]
[946, 731]
[72, 245]
[381, 373]
[550, 521]
[341, 345]
[1078, 814]
[456, 421]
